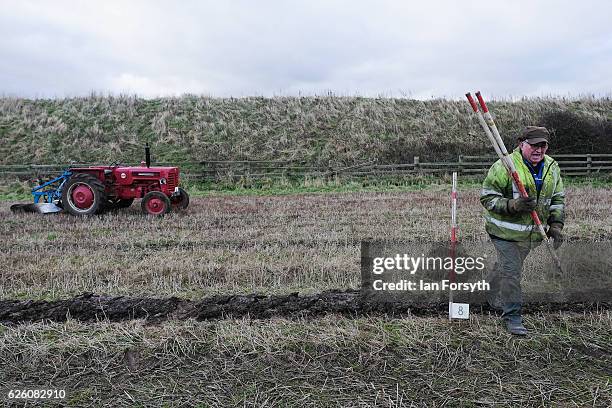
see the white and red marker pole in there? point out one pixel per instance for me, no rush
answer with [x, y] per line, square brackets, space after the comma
[454, 211]
[486, 128]
[488, 125]
[453, 239]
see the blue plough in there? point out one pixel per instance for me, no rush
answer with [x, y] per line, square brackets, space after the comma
[47, 196]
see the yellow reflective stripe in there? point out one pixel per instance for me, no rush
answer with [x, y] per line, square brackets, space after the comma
[509, 225]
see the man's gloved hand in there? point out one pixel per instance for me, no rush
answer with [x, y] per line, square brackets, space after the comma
[554, 232]
[521, 205]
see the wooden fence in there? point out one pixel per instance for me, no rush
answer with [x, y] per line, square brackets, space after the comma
[571, 164]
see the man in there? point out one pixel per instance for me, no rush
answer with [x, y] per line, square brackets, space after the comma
[508, 221]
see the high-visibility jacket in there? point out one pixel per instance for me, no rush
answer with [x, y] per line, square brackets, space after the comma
[498, 189]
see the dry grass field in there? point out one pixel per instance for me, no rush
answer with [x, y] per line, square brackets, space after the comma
[326, 362]
[226, 244]
[282, 244]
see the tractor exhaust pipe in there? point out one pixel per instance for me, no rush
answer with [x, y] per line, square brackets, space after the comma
[148, 155]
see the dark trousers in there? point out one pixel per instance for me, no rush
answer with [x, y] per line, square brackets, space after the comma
[505, 278]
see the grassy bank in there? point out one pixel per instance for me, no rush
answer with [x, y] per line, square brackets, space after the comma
[318, 131]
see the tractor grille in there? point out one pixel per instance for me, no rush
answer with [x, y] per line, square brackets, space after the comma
[172, 180]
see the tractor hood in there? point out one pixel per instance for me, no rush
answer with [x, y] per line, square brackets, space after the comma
[131, 175]
[146, 171]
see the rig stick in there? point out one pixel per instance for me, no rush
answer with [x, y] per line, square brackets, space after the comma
[485, 127]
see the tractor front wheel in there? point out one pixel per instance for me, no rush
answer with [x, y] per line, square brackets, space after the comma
[181, 201]
[83, 194]
[155, 203]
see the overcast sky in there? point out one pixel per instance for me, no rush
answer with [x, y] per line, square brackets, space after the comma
[421, 49]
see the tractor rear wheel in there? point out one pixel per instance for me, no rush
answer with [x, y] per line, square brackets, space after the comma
[155, 203]
[181, 201]
[83, 194]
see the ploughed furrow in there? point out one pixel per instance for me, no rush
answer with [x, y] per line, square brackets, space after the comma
[92, 307]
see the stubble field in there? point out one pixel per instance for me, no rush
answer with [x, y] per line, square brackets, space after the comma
[305, 243]
[243, 244]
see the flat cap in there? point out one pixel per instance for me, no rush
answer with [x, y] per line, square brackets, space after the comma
[534, 134]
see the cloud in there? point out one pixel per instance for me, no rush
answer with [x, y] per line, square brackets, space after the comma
[238, 48]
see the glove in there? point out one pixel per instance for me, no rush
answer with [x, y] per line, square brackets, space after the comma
[521, 205]
[554, 232]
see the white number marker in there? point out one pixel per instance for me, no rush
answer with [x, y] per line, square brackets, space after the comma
[458, 310]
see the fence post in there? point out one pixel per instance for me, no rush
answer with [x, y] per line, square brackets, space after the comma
[215, 172]
[589, 161]
[416, 163]
[460, 163]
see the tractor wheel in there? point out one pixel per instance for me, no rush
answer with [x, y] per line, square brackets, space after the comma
[119, 203]
[155, 203]
[181, 201]
[83, 194]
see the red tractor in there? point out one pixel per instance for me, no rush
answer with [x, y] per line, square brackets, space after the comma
[95, 189]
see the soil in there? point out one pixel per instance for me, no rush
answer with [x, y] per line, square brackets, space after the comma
[92, 307]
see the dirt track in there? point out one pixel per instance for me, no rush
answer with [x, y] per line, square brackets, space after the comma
[91, 307]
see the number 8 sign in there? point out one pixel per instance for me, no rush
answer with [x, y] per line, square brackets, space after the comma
[459, 310]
